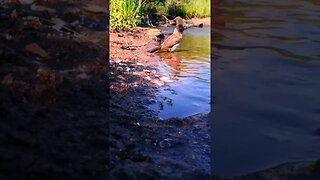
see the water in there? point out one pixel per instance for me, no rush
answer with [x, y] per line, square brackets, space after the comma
[187, 73]
[266, 84]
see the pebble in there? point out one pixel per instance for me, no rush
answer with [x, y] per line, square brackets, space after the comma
[121, 77]
[157, 82]
[9, 37]
[166, 143]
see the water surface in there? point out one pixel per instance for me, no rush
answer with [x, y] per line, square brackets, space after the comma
[266, 84]
[187, 73]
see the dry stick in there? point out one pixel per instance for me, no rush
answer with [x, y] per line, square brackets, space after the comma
[167, 20]
[76, 33]
[135, 55]
[128, 46]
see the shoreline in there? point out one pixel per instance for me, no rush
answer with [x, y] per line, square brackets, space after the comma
[206, 21]
[160, 140]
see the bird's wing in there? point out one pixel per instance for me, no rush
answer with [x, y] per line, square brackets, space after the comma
[171, 41]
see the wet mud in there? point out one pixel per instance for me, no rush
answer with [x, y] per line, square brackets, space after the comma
[53, 93]
[142, 145]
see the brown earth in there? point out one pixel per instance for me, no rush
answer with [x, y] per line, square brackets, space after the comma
[142, 146]
[53, 92]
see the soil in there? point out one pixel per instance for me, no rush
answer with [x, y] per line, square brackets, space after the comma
[53, 93]
[142, 146]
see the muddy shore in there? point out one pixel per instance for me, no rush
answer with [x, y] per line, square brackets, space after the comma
[174, 148]
[53, 92]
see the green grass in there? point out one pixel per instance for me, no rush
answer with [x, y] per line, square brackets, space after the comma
[128, 14]
[185, 8]
[196, 8]
[125, 14]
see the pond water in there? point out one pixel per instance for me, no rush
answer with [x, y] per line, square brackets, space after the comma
[187, 73]
[266, 85]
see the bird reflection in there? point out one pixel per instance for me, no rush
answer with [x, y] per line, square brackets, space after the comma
[172, 60]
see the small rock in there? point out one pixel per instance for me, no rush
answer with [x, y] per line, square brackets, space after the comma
[121, 77]
[166, 79]
[38, 8]
[9, 37]
[7, 80]
[83, 76]
[33, 20]
[26, 1]
[193, 156]
[74, 23]
[157, 82]
[166, 143]
[95, 9]
[14, 14]
[35, 49]
[72, 10]
[119, 69]
[58, 23]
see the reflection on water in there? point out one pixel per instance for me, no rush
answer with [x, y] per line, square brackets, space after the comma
[187, 73]
[266, 84]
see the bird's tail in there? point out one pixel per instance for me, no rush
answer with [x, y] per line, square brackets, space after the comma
[152, 50]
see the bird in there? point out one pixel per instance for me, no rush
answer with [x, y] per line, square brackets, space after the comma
[174, 40]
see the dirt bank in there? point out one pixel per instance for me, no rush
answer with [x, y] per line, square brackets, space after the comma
[142, 145]
[53, 92]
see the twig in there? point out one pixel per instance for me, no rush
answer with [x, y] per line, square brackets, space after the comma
[133, 46]
[167, 20]
[76, 33]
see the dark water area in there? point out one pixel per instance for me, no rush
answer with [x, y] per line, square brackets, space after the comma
[187, 76]
[266, 84]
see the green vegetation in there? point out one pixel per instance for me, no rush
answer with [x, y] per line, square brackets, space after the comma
[197, 8]
[186, 8]
[127, 14]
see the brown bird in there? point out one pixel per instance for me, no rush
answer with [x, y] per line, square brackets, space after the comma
[174, 40]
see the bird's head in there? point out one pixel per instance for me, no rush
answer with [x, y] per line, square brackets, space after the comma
[179, 24]
[181, 28]
[178, 20]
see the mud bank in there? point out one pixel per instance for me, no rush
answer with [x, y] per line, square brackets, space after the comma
[53, 92]
[142, 146]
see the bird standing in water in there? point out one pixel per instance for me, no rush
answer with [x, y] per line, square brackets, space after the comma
[174, 40]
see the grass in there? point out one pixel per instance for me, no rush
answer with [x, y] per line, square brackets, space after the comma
[196, 8]
[125, 14]
[128, 14]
